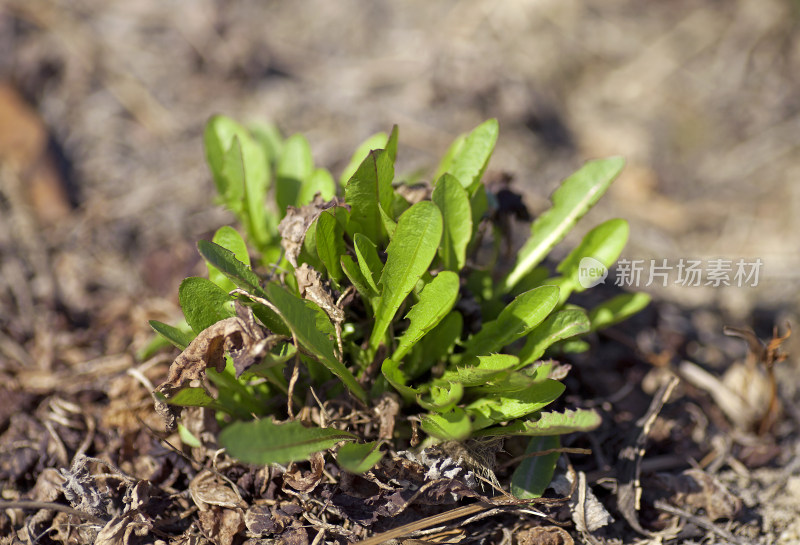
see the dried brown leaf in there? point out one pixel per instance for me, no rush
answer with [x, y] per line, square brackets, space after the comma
[208, 489]
[221, 525]
[296, 479]
[239, 335]
[544, 535]
[294, 225]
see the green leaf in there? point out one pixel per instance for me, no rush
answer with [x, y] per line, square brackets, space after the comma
[204, 303]
[178, 338]
[600, 248]
[437, 344]
[193, 397]
[225, 261]
[295, 168]
[321, 181]
[617, 309]
[479, 370]
[452, 426]
[391, 144]
[453, 202]
[443, 397]
[446, 164]
[534, 474]
[576, 195]
[374, 142]
[302, 319]
[549, 423]
[359, 458]
[419, 231]
[515, 321]
[330, 244]
[471, 157]
[435, 301]
[502, 408]
[230, 239]
[368, 260]
[557, 327]
[240, 168]
[270, 139]
[356, 277]
[369, 189]
[265, 442]
[395, 376]
[187, 438]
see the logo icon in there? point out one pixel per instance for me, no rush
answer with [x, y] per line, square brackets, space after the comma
[591, 272]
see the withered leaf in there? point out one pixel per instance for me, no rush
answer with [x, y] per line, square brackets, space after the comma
[544, 535]
[311, 287]
[295, 478]
[294, 225]
[239, 335]
[208, 489]
[259, 521]
[221, 525]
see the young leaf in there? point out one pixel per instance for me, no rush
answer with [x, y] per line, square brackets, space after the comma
[419, 231]
[617, 309]
[453, 201]
[576, 195]
[265, 442]
[178, 338]
[469, 161]
[435, 301]
[321, 181]
[241, 173]
[395, 376]
[443, 396]
[225, 261]
[481, 369]
[452, 426]
[230, 239]
[369, 189]
[531, 478]
[368, 260]
[193, 397]
[294, 169]
[549, 423]
[374, 142]
[436, 344]
[270, 139]
[515, 321]
[495, 409]
[330, 244]
[303, 321]
[603, 244]
[558, 326]
[204, 303]
[356, 277]
[391, 144]
[359, 458]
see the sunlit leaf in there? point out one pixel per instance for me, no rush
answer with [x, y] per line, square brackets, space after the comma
[574, 197]
[409, 255]
[453, 201]
[435, 301]
[265, 442]
[359, 458]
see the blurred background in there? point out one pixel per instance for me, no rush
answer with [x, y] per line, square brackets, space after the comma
[104, 190]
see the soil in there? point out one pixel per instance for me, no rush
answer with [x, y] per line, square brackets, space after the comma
[104, 192]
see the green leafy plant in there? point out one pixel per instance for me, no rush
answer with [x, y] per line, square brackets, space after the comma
[361, 295]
